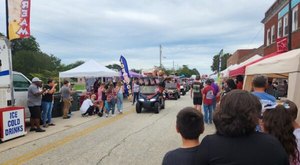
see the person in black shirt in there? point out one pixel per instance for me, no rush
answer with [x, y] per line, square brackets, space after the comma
[236, 141]
[190, 125]
[47, 102]
[196, 93]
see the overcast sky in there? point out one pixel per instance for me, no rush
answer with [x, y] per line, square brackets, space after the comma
[190, 31]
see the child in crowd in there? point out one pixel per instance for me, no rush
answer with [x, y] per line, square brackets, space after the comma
[279, 123]
[190, 125]
[95, 103]
[208, 96]
[110, 100]
[120, 91]
[293, 111]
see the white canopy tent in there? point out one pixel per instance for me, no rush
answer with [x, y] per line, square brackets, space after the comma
[225, 73]
[286, 65]
[90, 68]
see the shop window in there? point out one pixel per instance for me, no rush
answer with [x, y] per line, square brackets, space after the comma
[279, 30]
[295, 18]
[285, 25]
[273, 34]
[268, 37]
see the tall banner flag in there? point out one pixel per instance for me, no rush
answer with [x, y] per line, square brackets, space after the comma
[125, 75]
[18, 19]
[220, 66]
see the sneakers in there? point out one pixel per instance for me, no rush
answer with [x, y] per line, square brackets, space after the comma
[68, 117]
[32, 129]
[39, 130]
[106, 115]
[45, 125]
[51, 124]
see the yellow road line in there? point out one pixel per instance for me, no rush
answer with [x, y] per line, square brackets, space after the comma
[59, 143]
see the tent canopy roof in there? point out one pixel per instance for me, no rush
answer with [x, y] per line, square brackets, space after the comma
[288, 62]
[90, 68]
[227, 71]
[241, 70]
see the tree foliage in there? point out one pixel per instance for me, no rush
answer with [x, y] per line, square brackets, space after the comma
[215, 64]
[28, 58]
[186, 71]
[115, 67]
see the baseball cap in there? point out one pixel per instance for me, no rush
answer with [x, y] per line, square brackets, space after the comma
[35, 79]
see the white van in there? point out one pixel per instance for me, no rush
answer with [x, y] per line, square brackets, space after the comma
[21, 84]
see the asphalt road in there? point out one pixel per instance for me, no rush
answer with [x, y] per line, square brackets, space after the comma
[129, 138]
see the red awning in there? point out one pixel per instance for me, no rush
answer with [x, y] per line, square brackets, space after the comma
[241, 70]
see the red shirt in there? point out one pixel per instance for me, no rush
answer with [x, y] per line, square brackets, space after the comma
[239, 85]
[208, 95]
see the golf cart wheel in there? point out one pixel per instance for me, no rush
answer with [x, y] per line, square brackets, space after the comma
[156, 107]
[163, 104]
[138, 108]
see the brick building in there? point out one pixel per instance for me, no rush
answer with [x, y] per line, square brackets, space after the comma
[242, 55]
[276, 24]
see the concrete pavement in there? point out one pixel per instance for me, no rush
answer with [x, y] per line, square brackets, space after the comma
[129, 138]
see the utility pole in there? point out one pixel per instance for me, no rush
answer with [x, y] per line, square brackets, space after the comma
[160, 56]
[173, 68]
[7, 24]
[290, 25]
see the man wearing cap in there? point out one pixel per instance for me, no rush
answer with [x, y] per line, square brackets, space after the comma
[34, 104]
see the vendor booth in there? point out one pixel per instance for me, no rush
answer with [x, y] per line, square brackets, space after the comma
[285, 65]
[90, 68]
[240, 68]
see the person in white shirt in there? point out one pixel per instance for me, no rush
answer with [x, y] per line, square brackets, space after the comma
[87, 106]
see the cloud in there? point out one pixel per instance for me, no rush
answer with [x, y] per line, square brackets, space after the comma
[191, 32]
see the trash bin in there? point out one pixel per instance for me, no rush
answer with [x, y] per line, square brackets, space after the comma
[76, 101]
[57, 110]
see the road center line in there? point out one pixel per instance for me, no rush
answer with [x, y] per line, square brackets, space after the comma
[59, 143]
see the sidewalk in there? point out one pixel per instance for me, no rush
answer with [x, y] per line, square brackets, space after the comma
[60, 125]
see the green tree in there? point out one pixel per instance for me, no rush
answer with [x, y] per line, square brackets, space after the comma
[29, 44]
[215, 64]
[115, 67]
[186, 71]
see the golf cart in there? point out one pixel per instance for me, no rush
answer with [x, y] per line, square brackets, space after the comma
[172, 91]
[149, 98]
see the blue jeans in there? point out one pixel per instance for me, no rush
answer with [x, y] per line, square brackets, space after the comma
[120, 102]
[208, 113]
[47, 112]
[110, 106]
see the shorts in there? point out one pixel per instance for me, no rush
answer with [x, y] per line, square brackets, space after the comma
[35, 112]
[197, 101]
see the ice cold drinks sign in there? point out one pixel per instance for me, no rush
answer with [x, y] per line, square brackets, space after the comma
[13, 124]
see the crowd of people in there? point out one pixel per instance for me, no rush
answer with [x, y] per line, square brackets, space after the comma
[104, 101]
[251, 128]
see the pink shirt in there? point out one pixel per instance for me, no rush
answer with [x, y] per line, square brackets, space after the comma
[100, 90]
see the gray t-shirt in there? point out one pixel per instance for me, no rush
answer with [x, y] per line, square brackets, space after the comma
[32, 99]
[65, 92]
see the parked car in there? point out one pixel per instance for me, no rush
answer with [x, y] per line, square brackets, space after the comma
[149, 98]
[21, 84]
